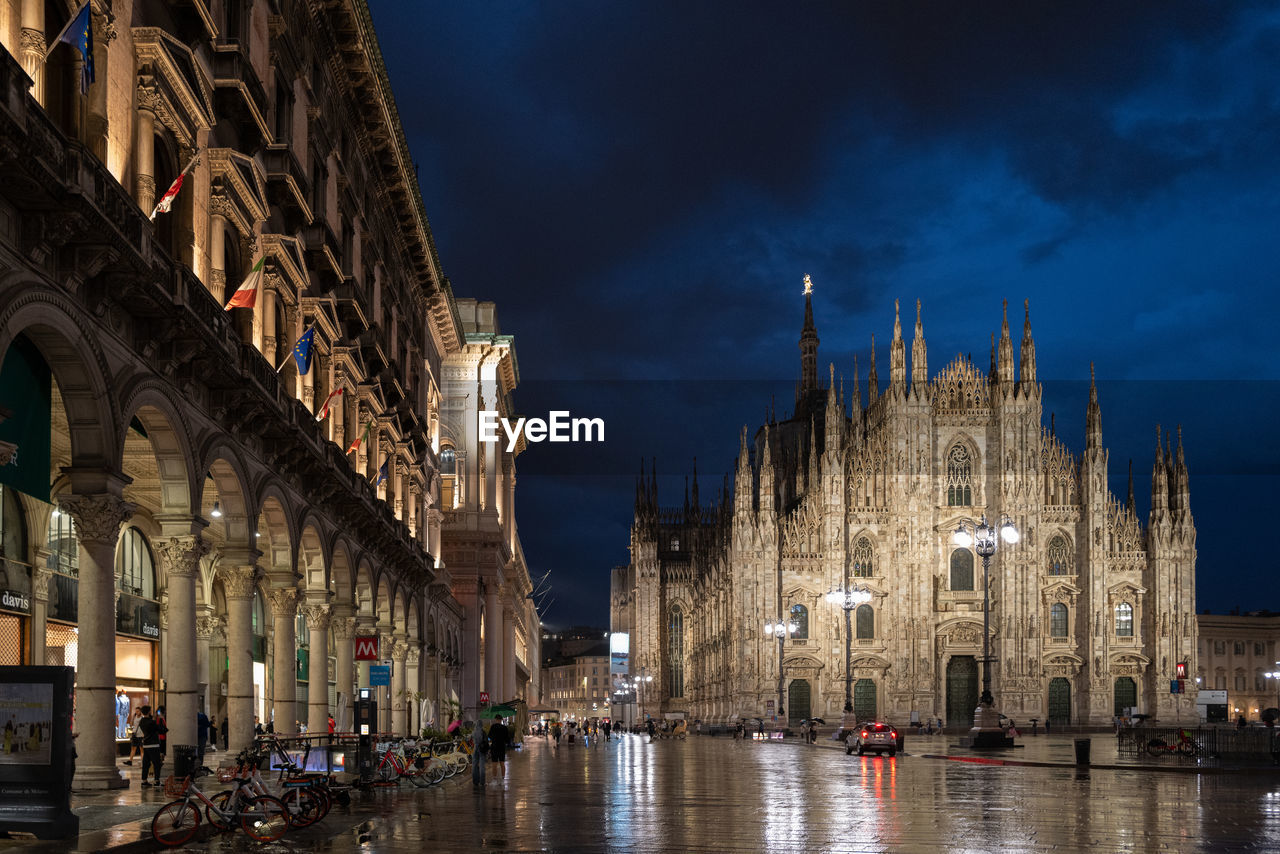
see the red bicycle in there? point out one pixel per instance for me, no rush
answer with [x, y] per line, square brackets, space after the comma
[1186, 745]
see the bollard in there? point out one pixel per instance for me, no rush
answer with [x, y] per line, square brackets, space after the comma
[1082, 751]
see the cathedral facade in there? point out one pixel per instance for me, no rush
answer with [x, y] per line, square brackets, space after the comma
[1091, 613]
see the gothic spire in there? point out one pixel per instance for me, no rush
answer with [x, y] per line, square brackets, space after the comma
[1093, 415]
[1130, 502]
[695, 483]
[897, 354]
[808, 344]
[1027, 361]
[1159, 479]
[835, 413]
[812, 480]
[991, 371]
[1004, 367]
[919, 361]
[873, 382]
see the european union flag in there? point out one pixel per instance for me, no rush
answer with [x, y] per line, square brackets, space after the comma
[302, 350]
[79, 34]
[382, 472]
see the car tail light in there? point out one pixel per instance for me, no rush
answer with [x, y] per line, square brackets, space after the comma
[864, 733]
[893, 732]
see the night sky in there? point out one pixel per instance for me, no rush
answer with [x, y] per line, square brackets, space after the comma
[642, 186]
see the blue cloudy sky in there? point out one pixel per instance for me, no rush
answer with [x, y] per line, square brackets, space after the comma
[641, 187]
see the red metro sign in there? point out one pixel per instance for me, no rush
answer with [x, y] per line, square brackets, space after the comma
[367, 648]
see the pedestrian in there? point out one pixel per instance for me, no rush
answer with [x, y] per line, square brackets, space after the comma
[222, 731]
[479, 750]
[649, 725]
[162, 726]
[499, 738]
[607, 730]
[151, 756]
[556, 732]
[202, 734]
[1046, 726]
[331, 723]
[257, 726]
[213, 733]
[135, 735]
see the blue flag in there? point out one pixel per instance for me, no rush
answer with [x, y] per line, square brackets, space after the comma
[382, 472]
[302, 351]
[79, 34]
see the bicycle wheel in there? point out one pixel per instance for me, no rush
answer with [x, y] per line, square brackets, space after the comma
[220, 801]
[264, 819]
[176, 823]
[1157, 747]
[419, 777]
[303, 805]
[386, 773]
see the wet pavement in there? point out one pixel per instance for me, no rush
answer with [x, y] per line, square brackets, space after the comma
[714, 794]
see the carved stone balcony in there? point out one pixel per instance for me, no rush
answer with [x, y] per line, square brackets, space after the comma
[239, 95]
[287, 185]
[324, 254]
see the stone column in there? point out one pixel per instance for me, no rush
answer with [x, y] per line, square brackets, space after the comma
[396, 475]
[269, 327]
[33, 47]
[492, 644]
[386, 649]
[180, 557]
[318, 667]
[508, 655]
[40, 578]
[399, 702]
[239, 581]
[413, 683]
[344, 672]
[98, 519]
[144, 139]
[337, 419]
[284, 661]
[206, 626]
[217, 258]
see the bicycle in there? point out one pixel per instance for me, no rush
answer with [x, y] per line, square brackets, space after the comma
[261, 817]
[1186, 745]
[392, 766]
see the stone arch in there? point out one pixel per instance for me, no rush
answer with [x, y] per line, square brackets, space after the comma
[276, 531]
[313, 559]
[69, 346]
[365, 594]
[341, 571]
[223, 468]
[165, 439]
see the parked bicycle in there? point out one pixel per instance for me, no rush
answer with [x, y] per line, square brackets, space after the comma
[1186, 745]
[261, 817]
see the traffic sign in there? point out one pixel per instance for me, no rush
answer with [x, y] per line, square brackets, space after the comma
[379, 674]
[367, 648]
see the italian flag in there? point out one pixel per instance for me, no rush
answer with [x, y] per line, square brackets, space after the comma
[247, 294]
[324, 410]
[357, 442]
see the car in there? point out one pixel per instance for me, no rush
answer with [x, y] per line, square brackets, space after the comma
[873, 735]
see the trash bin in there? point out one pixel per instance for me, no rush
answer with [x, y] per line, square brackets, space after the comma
[185, 760]
[1082, 751]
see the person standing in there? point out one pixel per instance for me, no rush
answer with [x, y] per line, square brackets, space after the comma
[162, 726]
[499, 738]
[135, 737]
[222, 732]
[479, 747]
[202, 734]
[151, 757]
[213, 733]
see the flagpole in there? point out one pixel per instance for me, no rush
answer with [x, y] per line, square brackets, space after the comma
[185, 170]
[289, 357]
[57, 41]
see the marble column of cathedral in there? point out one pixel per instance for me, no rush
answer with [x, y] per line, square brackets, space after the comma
[284, 659]
[98, 518]
[317, 614]
[493, 643]
[344, 672]
[399, 703]
[238, 580]
[180, 556]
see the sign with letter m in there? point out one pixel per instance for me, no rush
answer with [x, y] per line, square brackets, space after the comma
[367, 648]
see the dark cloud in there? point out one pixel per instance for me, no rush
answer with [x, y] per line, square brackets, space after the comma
[641, 187]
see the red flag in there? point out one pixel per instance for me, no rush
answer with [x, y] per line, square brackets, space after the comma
[324, 409]
[247, 294]
[357, 442]
[166, 201]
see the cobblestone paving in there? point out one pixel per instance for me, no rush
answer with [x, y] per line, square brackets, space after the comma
[715, 795]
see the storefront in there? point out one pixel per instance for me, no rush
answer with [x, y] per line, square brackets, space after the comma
[15, 581]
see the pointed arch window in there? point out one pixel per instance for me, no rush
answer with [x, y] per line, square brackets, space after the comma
[865, 622]
[959, 476]
[862, 559]
[962, 569]
[1059, 556]
[1058, 621]
[675, 650]
[800, 619]
[1124, 620]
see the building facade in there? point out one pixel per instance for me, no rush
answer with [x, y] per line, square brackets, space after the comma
[1236, 652]
[579, 687]
[187, 517]
[1090, 612]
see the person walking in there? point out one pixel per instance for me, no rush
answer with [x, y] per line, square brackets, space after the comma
[202, 734]
[479, 751]
[499, 738]
[213, 733]
[162, 726]
[151, 757]
[649, 725]
[135, 737]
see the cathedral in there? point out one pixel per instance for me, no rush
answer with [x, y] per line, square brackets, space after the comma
[1091, 613]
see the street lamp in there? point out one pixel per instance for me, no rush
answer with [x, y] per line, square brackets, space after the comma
[640, 683]
[985, 540]
[780, 630]
[847, 599]
[1275, 674]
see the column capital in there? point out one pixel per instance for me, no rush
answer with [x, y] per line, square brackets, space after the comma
[207, 627]
[344, 628]
[413, 657]
[284, 601]
[239, 581]
[399, 651]
[98, 517]
[181, 555]
[317, 614]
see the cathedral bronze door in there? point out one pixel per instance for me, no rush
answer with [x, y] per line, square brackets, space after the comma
[1126, 694]
[962, 690]
[864, 700]
[1059, 701]
[798, 699]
